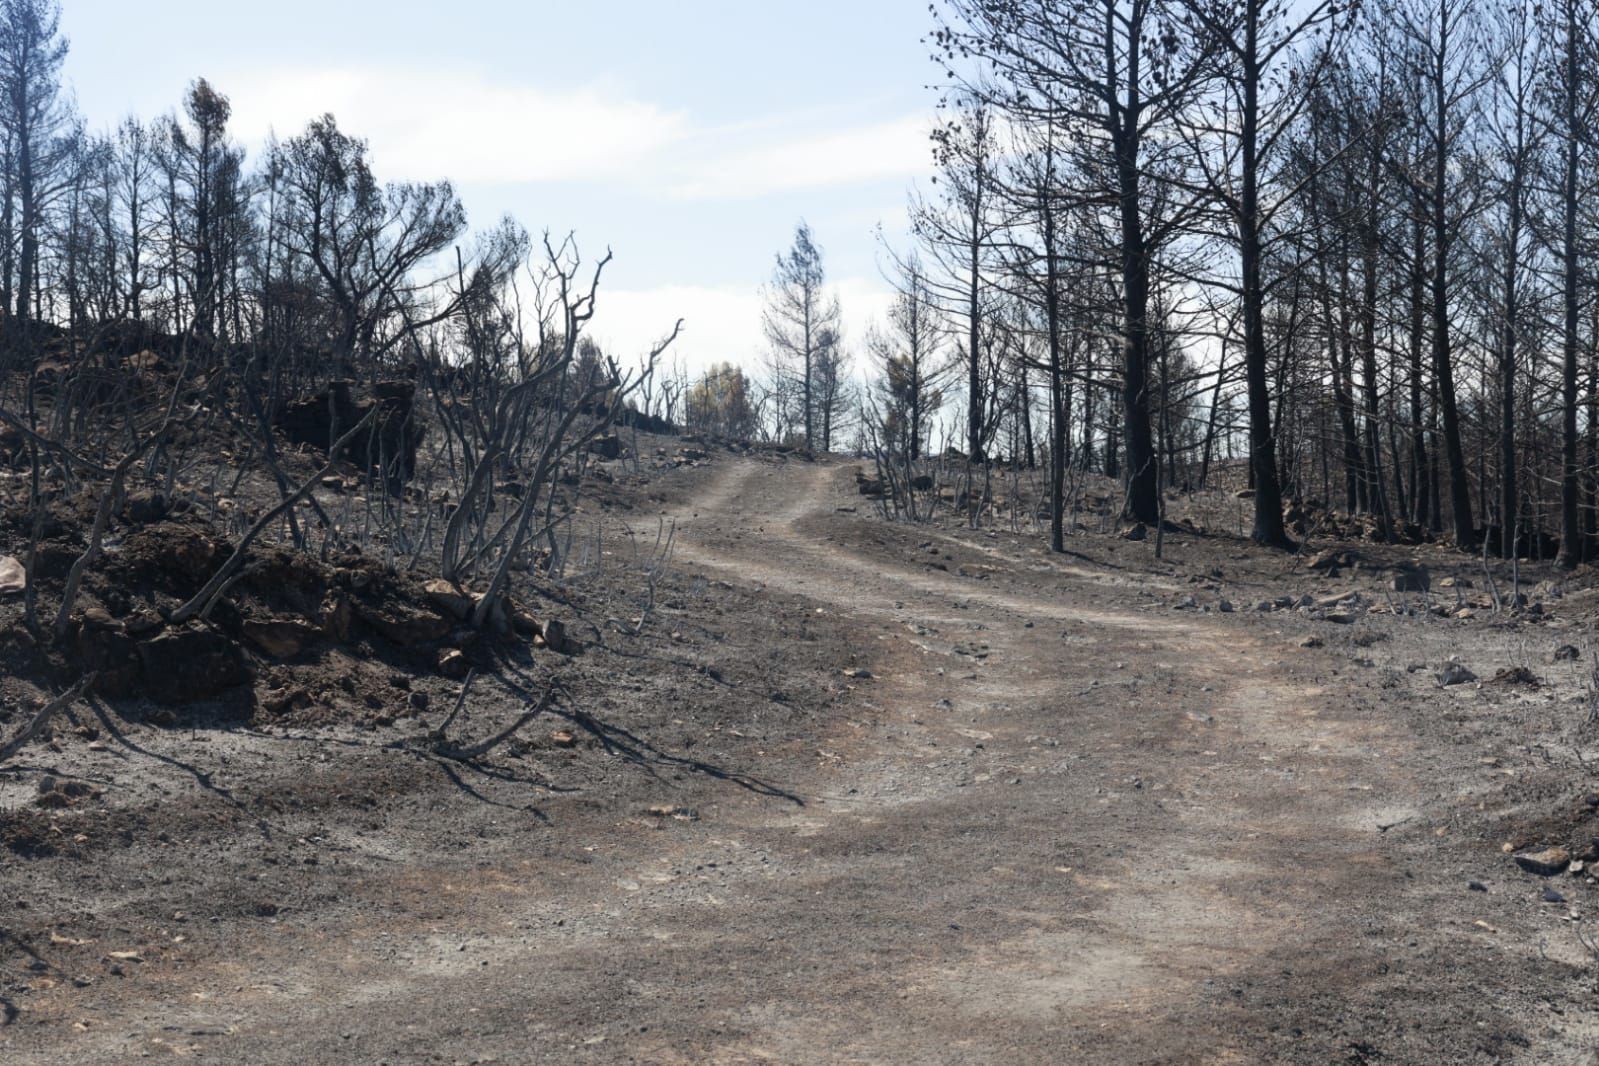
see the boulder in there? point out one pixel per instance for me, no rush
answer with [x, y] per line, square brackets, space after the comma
[1454, 674]
[922, 483]
[13, 578]
[607, 447]
[1546, 863]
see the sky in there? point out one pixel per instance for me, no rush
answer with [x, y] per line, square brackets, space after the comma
[690, 137]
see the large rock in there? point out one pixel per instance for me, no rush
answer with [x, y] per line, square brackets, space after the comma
[13, 578]
[1546, 863]
[189, 665]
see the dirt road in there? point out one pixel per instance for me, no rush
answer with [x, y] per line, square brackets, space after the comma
[1047, 824]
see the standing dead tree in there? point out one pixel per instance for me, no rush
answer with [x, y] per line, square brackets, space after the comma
[525, 416]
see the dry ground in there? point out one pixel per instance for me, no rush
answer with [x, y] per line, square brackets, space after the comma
[859, 793]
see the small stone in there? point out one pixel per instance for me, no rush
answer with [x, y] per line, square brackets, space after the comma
[1477, 886]
[1551, 896]
[1225, 607]
[1567, 653]
[454, 664]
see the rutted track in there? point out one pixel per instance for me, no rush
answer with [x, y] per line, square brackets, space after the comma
[1050, 827]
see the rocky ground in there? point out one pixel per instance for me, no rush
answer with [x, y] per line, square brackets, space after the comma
[839, 791]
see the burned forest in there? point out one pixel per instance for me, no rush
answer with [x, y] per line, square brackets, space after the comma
[1015, 531]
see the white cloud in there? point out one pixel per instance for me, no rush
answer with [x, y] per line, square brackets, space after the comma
[810, 160]
[720, 324]
[471, 128]
[426, 125]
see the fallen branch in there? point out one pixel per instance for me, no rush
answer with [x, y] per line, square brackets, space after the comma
[42, 719]
[444, 749]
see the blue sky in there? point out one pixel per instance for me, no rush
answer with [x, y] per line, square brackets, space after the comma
[689, 136]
